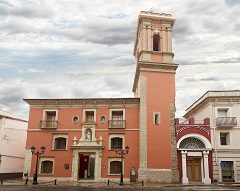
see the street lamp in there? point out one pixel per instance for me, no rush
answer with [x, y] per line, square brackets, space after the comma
[37, 155]
[122, 153]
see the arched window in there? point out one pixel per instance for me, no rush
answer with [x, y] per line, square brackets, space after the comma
[47, 167]
[60, 143]
[116, 142]
[115, 167]
[156, 42]
[192, 143]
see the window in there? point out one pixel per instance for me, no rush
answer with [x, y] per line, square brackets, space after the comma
[117, 119]
[222, 112]
[192, 143]
[103, 119]
[89, 115]
[75, 119]
[156, 42]
[59, 142]
[224, 138]
[47, 167]
[116, 142]
[156, 118]
[115, 167]
[49, 119]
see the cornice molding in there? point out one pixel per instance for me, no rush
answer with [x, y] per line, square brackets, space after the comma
[215, 97]
[153, 67]
[85, 103]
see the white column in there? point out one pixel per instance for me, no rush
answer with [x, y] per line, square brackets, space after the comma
[74, 165]
[144, 36]
[164, 47]
[206, 178]
[184, 167]
[169, 40]
[149, 38]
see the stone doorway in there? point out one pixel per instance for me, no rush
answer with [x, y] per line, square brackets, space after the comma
[86, 166]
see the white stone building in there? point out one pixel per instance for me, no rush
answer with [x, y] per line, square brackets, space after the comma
[12, 145]
[223, 109]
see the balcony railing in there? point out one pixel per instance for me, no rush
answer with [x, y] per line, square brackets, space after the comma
[116, 124]
[226, 121]
[48, 124]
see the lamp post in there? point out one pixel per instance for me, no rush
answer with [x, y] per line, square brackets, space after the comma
[122, 153]
[37, 155]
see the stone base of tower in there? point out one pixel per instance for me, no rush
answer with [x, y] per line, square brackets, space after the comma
[158, 175]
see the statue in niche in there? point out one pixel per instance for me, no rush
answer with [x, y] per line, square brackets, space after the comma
[88, 135]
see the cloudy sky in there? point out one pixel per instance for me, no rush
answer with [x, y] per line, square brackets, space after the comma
[78, 49]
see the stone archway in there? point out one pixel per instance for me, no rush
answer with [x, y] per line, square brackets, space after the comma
[195, 147]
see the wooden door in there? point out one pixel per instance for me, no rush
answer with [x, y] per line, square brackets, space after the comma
[194, 169]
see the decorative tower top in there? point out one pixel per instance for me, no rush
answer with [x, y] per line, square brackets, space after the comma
[156, 26]
[153, 44]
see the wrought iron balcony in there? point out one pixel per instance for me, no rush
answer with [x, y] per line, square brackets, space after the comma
[116, 124]
[48, 124]
[226, 121]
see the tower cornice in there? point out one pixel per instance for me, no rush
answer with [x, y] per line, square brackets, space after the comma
[153, 67]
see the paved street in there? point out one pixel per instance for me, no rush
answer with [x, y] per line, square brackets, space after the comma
[102, 186]
[124, 188]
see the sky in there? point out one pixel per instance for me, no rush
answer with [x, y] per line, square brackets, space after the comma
[84, 49]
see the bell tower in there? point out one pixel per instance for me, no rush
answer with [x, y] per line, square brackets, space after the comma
[154, 84]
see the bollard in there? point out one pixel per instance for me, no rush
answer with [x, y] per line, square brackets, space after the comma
[1, 182]
[55, 182]
[26, 181]
[142, 183]
[108, 182]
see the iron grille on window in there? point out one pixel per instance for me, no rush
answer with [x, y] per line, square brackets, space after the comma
[191, 143]
[51, 124]
[116, 143]
[226, 121]
[60, 143]
[115, 167]
[47, 167]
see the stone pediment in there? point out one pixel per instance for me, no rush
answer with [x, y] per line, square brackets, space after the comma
[87, 143]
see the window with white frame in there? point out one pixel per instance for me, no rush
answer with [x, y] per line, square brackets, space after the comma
[89, 115]
[60, 142]
[50, 119]
[115, 166]
[224, 138]
[117, 118]
[46, 165]
[116, 141]
[222, 112]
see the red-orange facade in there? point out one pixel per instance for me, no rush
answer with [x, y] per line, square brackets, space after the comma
[81, 135]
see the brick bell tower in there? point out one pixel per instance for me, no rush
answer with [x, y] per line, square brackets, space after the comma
[154, 83]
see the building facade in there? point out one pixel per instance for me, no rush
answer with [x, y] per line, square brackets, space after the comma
[13, 133]
[194, 151]
[223, 109]
[80, 135]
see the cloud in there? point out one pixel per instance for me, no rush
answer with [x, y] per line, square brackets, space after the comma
[30, 10]
[57, 49]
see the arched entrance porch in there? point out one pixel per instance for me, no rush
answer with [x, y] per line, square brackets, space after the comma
[195, 154]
